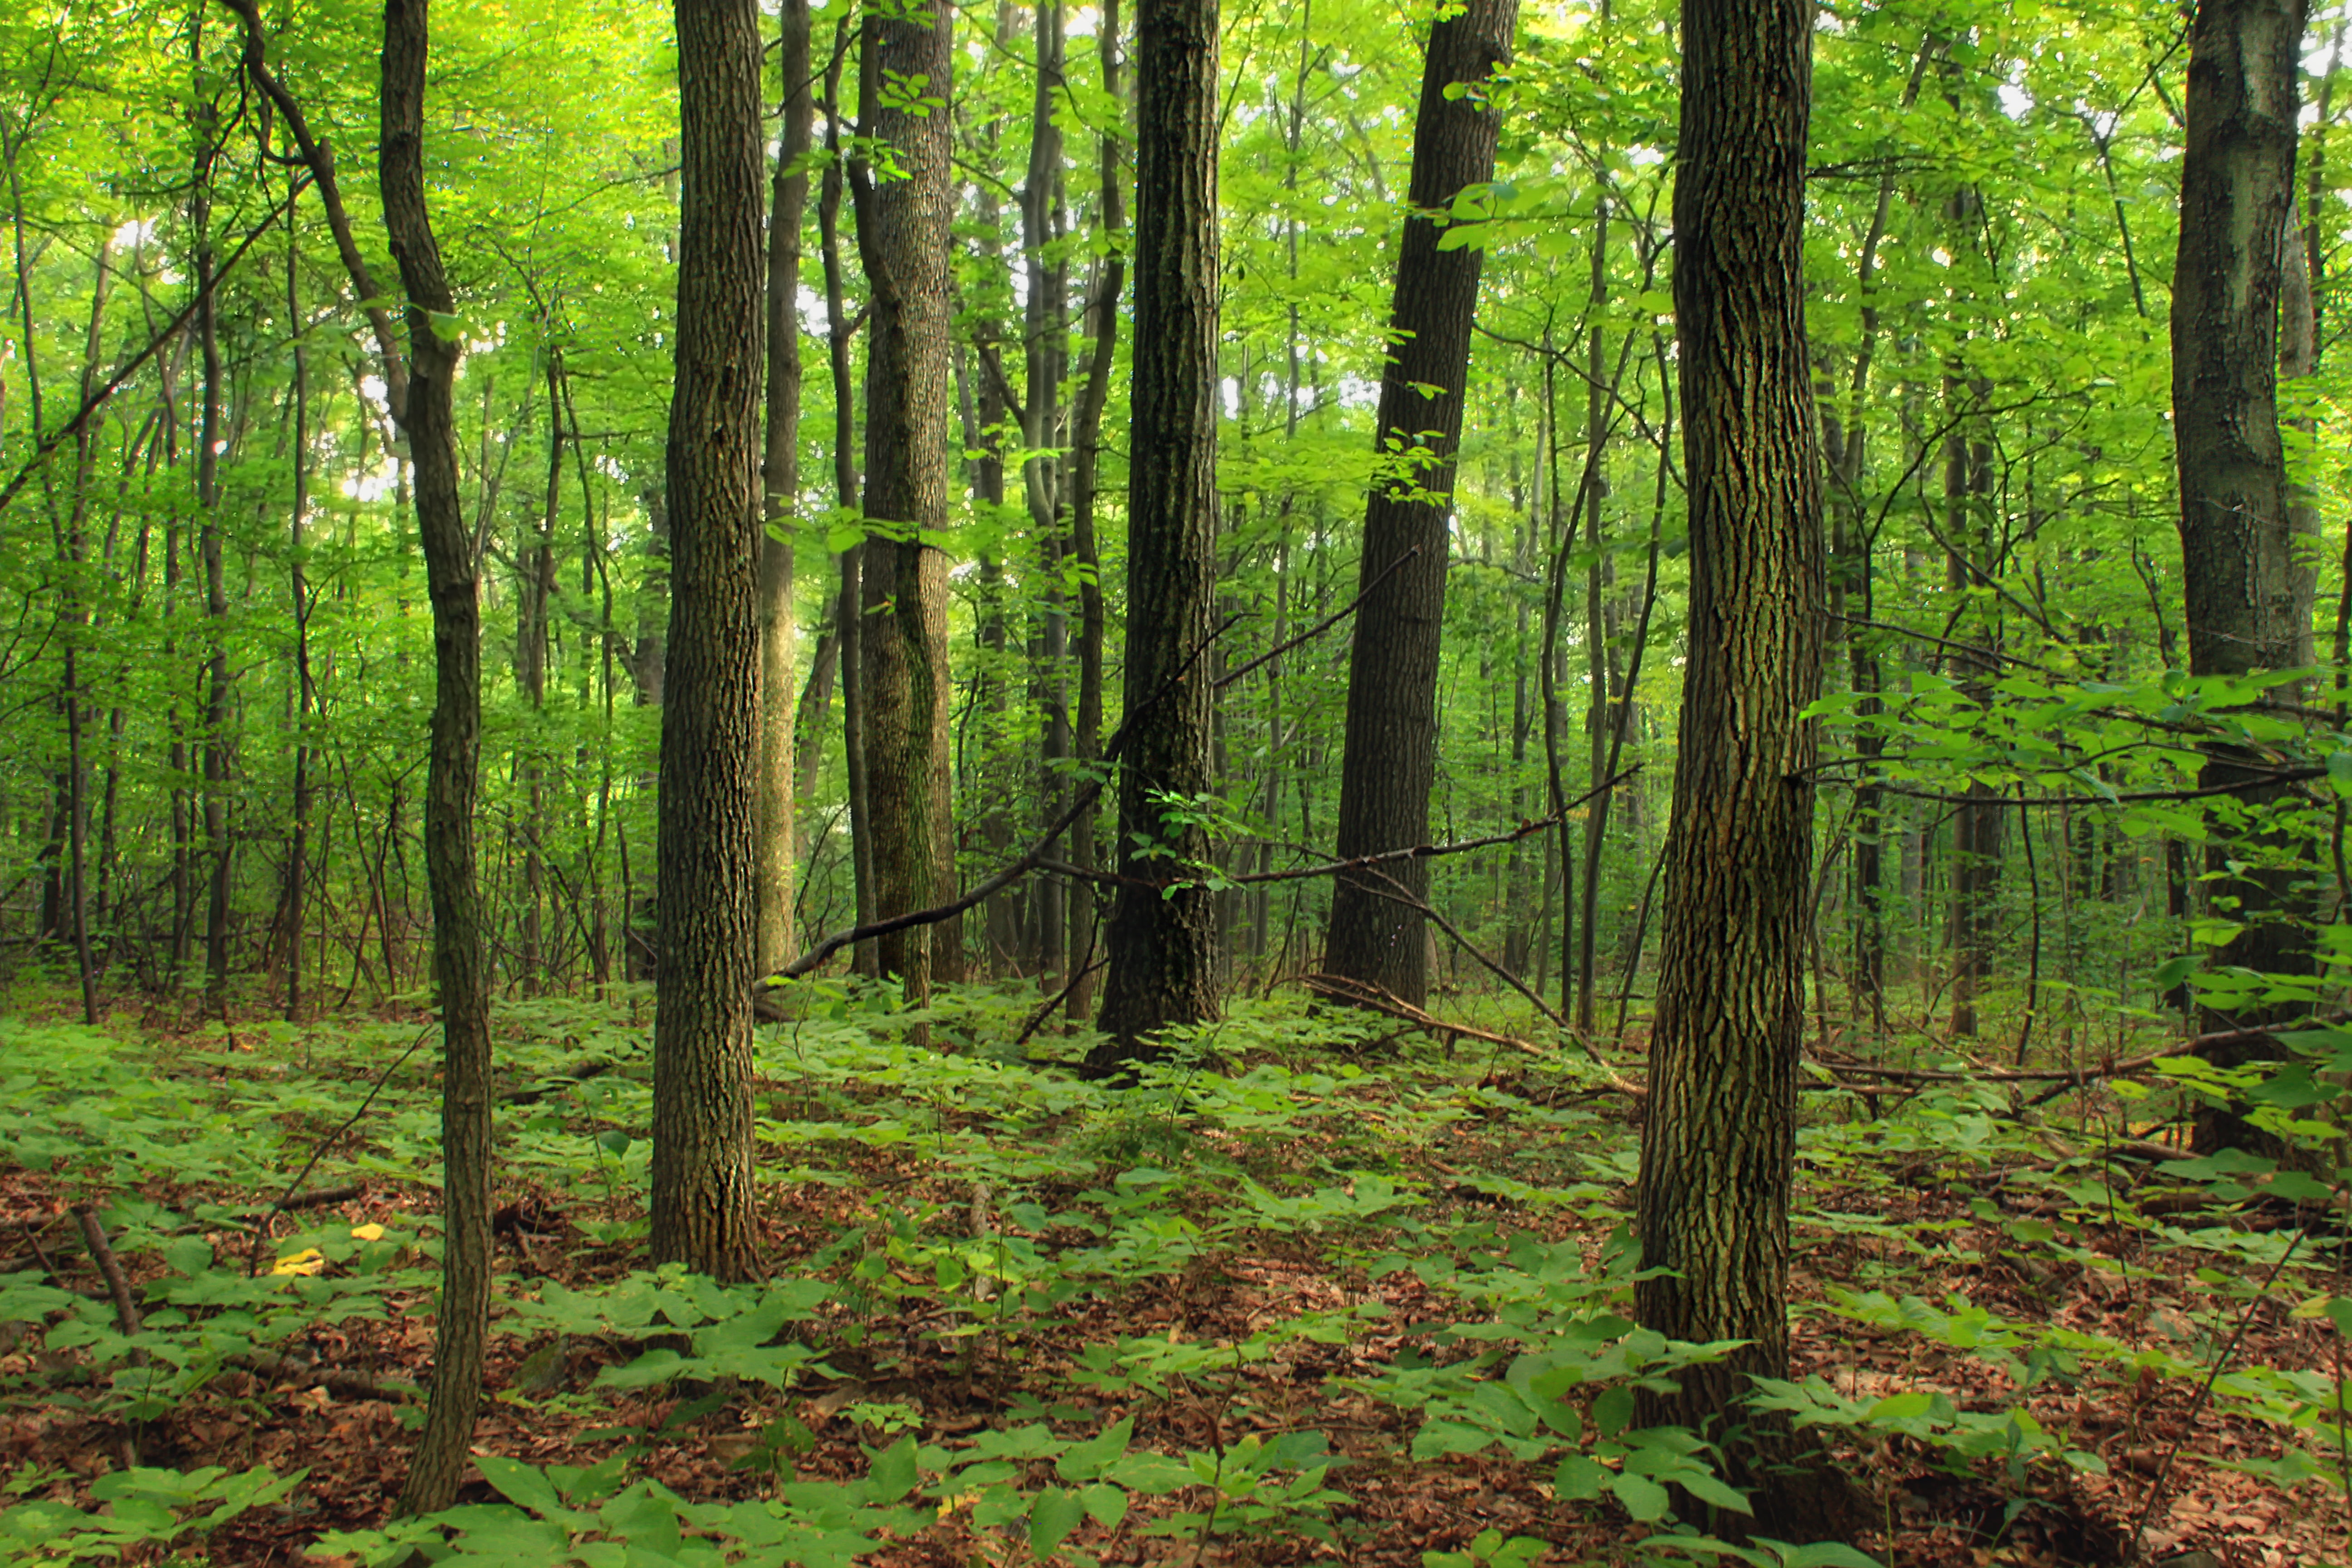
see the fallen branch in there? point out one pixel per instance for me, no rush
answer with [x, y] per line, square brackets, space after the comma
[1379, 999]
[2080, 1076]
[309, 1374]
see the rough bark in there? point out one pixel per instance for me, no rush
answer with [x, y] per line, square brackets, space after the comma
[1163, 932]
[780, 475]
[1718, 1139]
[707, 880]
[2248, 601]
[1390, 759]
[903, 236]
[462, 1323]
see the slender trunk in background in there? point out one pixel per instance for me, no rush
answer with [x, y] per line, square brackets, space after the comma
[1389, 760]
[534, 635]
[1045, 333]
[1845, 439]
[2248, 600]
[1718, 1138]
[1086, 454]
[1162, 933]
[443, 1452]
[1596, 637]
[219, 859]
[298, 594]
[849, 619]
[903, 236]
[1977, 820]
[778, 943]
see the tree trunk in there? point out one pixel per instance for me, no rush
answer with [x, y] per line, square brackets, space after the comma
[1086, 443]
[462, 1324]
[1718, 1138]
[2249, 606]
[1163, 936]
[903, 238]
[1390, 759]
[707, 878]
[847, 615]
[779, 944]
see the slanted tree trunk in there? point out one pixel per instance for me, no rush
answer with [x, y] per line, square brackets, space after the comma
[453, 770]
[1718, 1137]
[903, 236]
[1390, 759]
[779, 944]
[1162, 935]
[708, 883]
[2248, 603]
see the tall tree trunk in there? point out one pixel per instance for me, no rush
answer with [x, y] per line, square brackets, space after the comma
[1718, 1139]
[779, 944]
[2249, 606]
[848, 614]
[1977, 820]
[1162, 935]
[1086, 444]
[297, 846]
[1389, 760]
[1044, 332]
[711, 754]
[220, 859]
[903, 238]
[452, 775]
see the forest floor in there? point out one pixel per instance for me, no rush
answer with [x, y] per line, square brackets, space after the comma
[1303, 1299]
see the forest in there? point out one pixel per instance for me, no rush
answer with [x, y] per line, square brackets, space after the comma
[1195, 781]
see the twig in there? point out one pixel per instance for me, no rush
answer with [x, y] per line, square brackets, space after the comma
[350, 1385]
[287, 1200]
[1379, 999]
[1318, 628]
[2164, 1472]
[118, 1284]
[1037, 1019]
[1088, 794]
[2082, 1077]
[113, 384]
[40, 1254]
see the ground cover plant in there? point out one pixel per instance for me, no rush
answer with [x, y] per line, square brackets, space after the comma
[1300, 1294]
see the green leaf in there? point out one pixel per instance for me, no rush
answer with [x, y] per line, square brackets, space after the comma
[893, 1473]
[525, 1485]
[2339, 773]
[1085, 1461]
[1613, 1410]
[1052, 1517]
[1106, 1505]
[1644, 1498]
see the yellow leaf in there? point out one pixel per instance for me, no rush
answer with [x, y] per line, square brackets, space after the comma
[309, 1260]
[367, 1233]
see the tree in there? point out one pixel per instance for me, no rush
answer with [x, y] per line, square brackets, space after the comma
[2248, 595]
[1389, 760]
[1163, 936]
[779, 475]
[1718, 1135]
[710, 752]
[424, 406]
[904, 204]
